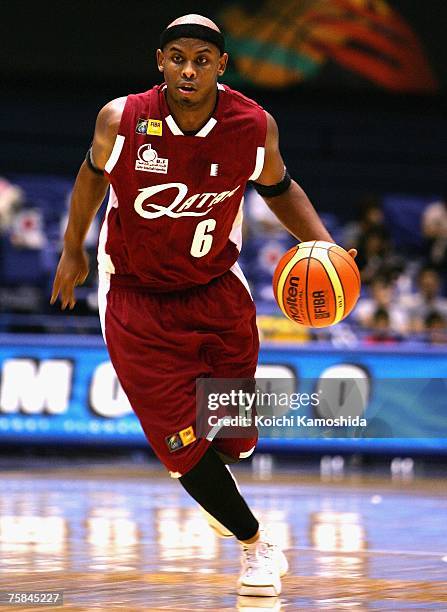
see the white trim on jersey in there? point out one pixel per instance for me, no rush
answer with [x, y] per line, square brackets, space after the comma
[206, 128]
[237, 271]
[260, 154]
[105, 262]
[103, 290]
[236, 230]
[116, 152]
[173, 126]
[236, 237]
[214, 431]
[204, 131]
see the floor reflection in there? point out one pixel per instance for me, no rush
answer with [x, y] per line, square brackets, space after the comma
[142, 544]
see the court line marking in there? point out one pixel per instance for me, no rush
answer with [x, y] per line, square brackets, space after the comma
[370, 551]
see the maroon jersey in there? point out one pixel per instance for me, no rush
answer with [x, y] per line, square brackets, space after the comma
[174, 213]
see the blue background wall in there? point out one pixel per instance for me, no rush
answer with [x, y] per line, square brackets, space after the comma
[63, 390]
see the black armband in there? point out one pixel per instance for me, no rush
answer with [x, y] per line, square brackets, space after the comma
[270, 191]
[91, 165]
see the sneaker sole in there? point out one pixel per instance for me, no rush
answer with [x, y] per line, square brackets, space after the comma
[266, 590]
[283, 567]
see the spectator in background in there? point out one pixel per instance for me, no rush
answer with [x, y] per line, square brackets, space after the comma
[434, 230]
[265, 241]
[381, 331]
[11, 200]
[435, 328]
[260, 218]
[428, 299]
[88, 301]
[22, 237]
[371, 218]
[381, 298]
[376, 257]
[27, 230]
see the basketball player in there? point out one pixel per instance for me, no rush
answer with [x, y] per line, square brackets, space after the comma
[174, 305]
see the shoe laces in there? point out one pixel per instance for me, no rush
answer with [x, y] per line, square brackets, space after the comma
[256, 556]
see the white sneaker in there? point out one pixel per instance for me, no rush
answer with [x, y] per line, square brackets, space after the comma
[263, 564]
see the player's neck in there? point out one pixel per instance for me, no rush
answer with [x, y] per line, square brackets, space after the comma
[192, 119]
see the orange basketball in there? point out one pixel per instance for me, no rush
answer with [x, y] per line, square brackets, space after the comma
[316, 283]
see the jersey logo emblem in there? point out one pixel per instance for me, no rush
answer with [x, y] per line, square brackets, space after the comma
[180, 439]
[214, 169]
[141, 127]
[155, 127]
[148, 160]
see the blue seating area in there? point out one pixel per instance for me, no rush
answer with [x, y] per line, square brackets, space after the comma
[403, 214]
[27, 270]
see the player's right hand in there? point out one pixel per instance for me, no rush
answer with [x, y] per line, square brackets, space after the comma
[72, 271]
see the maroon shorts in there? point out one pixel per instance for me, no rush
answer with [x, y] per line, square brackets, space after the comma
[159, 344]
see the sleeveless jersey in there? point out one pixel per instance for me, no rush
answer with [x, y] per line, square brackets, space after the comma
[175, 206]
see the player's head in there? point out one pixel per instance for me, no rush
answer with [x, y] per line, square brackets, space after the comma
[192, 57]
[429, 282]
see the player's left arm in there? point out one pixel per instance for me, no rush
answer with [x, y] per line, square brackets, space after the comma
[292, 207]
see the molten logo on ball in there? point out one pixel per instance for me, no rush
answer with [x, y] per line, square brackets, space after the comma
[295, 304]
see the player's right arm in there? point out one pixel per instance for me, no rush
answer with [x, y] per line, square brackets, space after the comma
[88, 193]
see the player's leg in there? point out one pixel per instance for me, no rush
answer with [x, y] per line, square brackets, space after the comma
[211, 484]
[234, 355]
[263, 562]
[219, 529]
[158, 374]
[157, 362]
[214, 488]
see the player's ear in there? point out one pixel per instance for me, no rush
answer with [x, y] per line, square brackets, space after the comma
[223, 59]
[160, 60]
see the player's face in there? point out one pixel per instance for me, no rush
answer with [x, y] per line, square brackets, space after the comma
[191, 68]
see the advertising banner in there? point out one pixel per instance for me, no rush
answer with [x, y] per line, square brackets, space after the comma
[57, 390]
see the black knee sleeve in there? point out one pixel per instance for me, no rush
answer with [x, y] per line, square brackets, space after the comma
[226, 458]
[212, 486]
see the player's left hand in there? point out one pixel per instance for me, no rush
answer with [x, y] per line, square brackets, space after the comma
[353, 253]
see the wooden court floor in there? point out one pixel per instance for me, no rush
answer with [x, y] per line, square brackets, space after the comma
[127, 538]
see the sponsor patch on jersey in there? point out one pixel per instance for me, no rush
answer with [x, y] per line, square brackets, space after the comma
[180, 439]
[155, 127]
[148, 160]
[187, 435]
[142, 126]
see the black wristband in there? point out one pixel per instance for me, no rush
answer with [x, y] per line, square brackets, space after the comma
[270, 191]
[91, 165]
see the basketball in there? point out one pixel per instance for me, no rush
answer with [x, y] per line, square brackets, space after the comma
[316, 283]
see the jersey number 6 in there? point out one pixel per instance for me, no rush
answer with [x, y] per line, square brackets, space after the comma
[203, 239]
